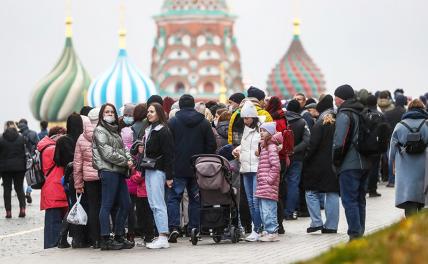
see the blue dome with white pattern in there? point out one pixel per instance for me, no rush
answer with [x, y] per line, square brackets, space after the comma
[120, 85]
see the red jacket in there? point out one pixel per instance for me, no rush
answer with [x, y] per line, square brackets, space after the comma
[137, 178]
[52, 194]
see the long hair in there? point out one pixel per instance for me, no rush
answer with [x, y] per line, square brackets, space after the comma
[101, 114]
[10, 124]
[160, 113]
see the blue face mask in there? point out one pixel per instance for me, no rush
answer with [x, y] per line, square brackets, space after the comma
[128, 120]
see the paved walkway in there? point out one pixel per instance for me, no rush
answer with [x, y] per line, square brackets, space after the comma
[21, 241]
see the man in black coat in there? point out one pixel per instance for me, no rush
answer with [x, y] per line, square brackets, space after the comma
[192, 135]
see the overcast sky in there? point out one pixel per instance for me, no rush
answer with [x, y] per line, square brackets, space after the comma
[373, 44]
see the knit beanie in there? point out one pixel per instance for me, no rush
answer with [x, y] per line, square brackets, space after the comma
[237, 97]
[325, 103]
[93, 115]
[186, 100]
[270, 127]
[249, 110]
[293, 106]
[344, 92]
[401, 100]
[155, 99]
[256, 93]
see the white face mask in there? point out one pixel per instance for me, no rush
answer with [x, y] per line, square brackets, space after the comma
[216, 122]
[109, 119]
[230, 108]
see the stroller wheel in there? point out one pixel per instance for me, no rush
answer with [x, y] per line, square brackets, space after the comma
[194, 236]
[234, 234]
[217, 239]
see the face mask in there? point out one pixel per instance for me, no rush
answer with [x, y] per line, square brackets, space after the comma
[109, 119]
[128, 120]
[216, 122]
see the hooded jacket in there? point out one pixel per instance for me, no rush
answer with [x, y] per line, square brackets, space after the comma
[192, 135]
[281, 125]
[318, 174]
[30, 136]
[220, 133]
[52, 194]
[345, 155]
[108, 151]
[249, 145]
[82, 165]
[268, 169]
[301, 134]
[12, 151]
[236, 124]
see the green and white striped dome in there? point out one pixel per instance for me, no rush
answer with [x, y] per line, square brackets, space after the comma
[64, 89]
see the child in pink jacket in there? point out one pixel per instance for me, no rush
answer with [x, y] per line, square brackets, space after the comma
[268, 180]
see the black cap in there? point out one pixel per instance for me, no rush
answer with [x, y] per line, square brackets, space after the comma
[325, 103]
[155, 99]
[256, 93]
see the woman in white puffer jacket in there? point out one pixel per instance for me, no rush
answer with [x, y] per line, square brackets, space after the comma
[249, 163]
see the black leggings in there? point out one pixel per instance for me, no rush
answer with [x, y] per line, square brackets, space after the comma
[145, 218]
[18, 184]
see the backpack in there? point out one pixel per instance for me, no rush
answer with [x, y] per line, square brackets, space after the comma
[373, 133]
[34, 174]
[414, 142]
[288, 142]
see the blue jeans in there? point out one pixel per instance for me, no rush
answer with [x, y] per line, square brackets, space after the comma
[53, 222]
[353, 193]
[155, 185]
[175, 195]
[391, 176]
[114, 192]
[268, 214]
[331, 209]
[292, 181]
[250, 186]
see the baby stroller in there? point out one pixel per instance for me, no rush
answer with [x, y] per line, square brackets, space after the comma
[219, 212]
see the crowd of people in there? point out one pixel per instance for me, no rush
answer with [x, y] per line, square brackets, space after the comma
[131, 169]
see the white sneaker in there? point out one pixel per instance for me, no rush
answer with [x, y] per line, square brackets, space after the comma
[269, 238]
[160, 242]
[253, 237]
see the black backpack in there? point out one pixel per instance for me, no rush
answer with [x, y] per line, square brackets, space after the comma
[373, 133]
[415, 144]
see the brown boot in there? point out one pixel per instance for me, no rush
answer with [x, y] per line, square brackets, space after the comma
[22, 213]
[8, 214]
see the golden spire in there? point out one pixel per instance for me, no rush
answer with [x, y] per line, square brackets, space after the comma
[223, 90]
[122, 30]
[68, 20]
[296, 27]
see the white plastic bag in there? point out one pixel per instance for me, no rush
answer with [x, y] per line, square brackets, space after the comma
[77, 214]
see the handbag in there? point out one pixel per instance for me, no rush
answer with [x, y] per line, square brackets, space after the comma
[149, 163]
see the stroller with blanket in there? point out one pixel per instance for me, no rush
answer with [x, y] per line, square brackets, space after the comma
[219, 211]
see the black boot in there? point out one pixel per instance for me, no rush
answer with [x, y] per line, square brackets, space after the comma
[63, 234]
[125, 242]
[106, 243]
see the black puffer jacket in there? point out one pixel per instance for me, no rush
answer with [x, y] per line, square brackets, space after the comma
[318, 174]
[192, 135]
[12, 151]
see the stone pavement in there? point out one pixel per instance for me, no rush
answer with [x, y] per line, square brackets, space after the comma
[21, 241]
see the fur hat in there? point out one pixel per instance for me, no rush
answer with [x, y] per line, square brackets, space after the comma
[249, 110]
[270, 127]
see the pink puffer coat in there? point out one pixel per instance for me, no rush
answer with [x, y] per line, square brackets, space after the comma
[82, 164]
[269, 168]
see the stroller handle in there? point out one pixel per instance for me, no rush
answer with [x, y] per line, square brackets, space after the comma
[195, 157]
